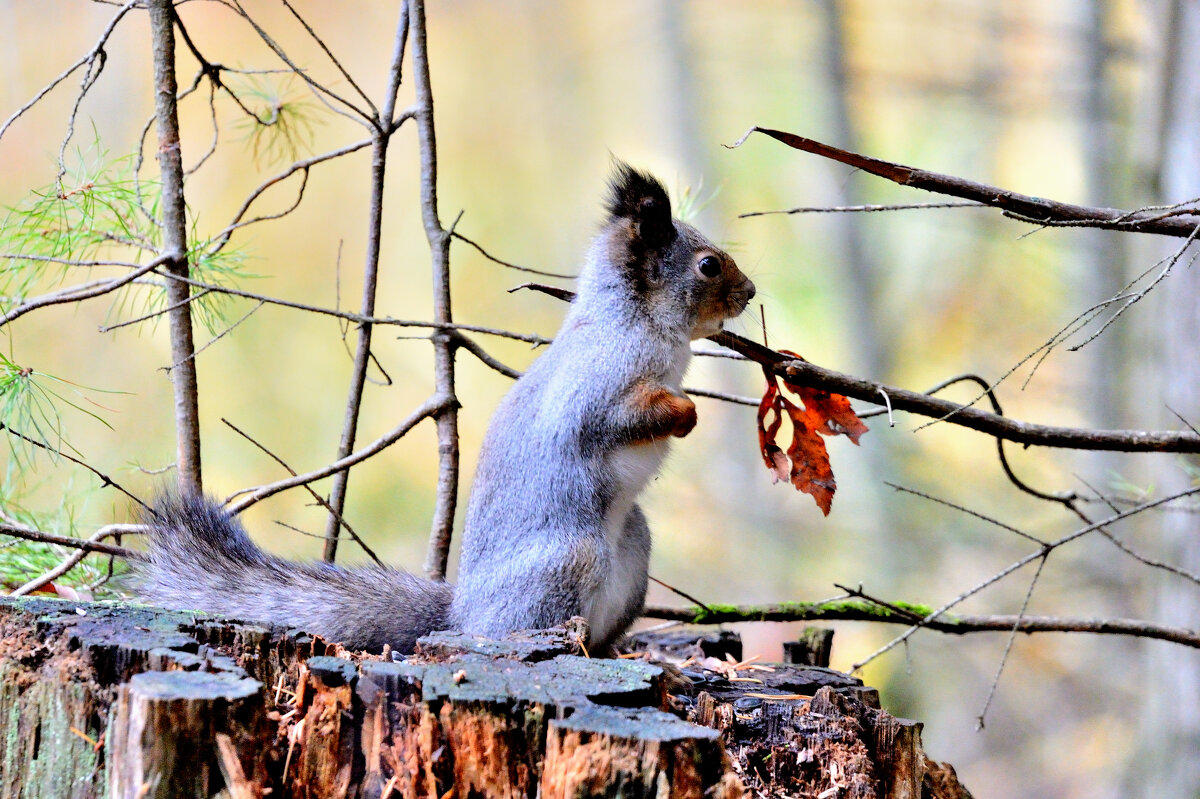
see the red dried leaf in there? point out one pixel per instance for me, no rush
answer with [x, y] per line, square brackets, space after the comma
[811, 472]
[767, 431]
[834, 412]
[822, 413]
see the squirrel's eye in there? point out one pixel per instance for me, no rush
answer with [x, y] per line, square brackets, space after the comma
[709, 266]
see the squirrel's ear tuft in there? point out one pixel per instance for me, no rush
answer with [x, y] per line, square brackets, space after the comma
[641, 198]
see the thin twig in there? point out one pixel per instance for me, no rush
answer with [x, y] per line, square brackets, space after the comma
[216, 132]
[859, 209]
[153, 314]
[312, 492]
[1116, 541]
[724, 397]
[471, 346]
[229, 329]
[380, 137]
[682, 593]
[529, 338]
[899, 610]
[71, 561]
[968, 511]
[336, 63]
[1023, 562]
[517, 267]
[259, 493]
[1138, 296]
[29, 534]
[1036, 210]
[85, 60]
[324, 94]
[91, 74]
[222, 238]
[105, 480]
[86, 291]
[1012, 636]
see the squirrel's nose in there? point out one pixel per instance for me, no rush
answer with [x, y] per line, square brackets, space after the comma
[750, 289]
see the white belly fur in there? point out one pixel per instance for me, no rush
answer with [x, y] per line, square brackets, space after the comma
[632, 467]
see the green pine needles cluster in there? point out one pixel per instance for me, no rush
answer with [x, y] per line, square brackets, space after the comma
[97, 220]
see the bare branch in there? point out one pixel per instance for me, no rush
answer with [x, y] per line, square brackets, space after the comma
[105, 480]
[86, 291]
[29, 534]
[471, 346]
[362, 352]
[87, 60]
[71, 561]
[1023, 207]
[155, 314]
[529, 338]
[863, 610]
[517, 267]
[228, 329]
[324, 94]
[443, 344]
[720, 395]
[338, 64]
[216, 131]
[312, 492]
[860, 209]
[222, 238]
[1012, 636]
[1018, 564]
[809, 374]
[962, 509]
[429, 408]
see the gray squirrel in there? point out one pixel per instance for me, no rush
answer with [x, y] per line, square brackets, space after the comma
[552, 527]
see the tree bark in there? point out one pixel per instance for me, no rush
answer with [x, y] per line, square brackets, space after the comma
[175, 247]
[138, 702]
[1170, 734]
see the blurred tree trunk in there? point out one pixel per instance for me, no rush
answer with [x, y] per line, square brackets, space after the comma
[1170, 736]
[864, 288]
[870, 327]
[1102, 272]
[682, 101]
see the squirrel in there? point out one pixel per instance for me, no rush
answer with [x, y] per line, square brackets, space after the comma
[552, 526]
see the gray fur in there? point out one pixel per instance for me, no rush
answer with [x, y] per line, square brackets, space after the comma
[552, 529]
[202, 559]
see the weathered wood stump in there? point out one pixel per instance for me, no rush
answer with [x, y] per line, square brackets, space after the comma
[812, 648]
[129, 701]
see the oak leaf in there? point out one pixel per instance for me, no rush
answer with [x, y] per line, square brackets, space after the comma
[806, 461]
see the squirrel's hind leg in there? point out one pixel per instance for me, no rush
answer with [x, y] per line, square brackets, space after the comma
[619, 601]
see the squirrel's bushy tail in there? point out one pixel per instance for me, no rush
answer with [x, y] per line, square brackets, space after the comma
[202, 559]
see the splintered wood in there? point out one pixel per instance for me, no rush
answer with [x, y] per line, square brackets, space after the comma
[104, 700]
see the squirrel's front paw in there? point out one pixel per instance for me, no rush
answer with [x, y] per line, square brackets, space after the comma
[660, 412]
[685, 416]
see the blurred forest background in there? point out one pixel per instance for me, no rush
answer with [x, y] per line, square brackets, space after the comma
[1075, 99]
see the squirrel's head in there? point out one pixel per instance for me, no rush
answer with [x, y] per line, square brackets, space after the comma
[671, 268]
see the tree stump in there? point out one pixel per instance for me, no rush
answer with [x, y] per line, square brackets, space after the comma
[128, 701]
[812, 648]
[161, 741]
